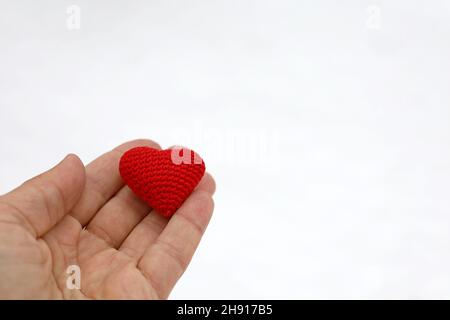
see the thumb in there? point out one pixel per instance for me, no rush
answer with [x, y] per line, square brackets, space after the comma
[43, 201]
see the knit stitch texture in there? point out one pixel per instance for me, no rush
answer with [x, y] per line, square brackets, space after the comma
[158, 180]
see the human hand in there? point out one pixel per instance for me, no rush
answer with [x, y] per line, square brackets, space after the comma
[85, 216]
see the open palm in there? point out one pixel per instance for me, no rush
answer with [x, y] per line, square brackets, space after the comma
[84, 217]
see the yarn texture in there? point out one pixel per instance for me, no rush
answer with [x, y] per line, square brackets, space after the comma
[162, 178]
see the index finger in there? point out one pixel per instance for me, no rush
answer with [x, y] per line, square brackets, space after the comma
[103, 180]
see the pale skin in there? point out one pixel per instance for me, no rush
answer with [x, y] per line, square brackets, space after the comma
[85, 216]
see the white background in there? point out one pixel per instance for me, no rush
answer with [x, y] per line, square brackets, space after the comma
[325, 123]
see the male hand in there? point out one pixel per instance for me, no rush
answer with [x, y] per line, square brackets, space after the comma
[82, 216]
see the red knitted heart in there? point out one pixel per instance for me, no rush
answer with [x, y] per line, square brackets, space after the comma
[162, 178]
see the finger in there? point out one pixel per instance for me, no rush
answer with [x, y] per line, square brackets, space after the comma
[44, 200]
[118, 217]
[145, 233]
[103, 180]
[168, 257]
[207, 184]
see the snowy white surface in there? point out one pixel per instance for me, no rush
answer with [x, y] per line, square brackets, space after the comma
[325, 123]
